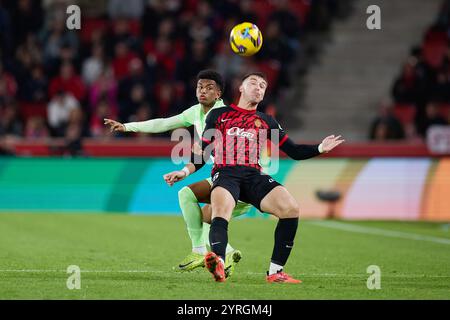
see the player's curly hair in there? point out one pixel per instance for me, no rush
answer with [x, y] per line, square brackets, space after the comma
[212, 75]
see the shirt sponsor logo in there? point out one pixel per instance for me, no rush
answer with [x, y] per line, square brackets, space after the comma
[235, 131]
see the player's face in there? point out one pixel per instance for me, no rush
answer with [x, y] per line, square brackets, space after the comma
[253, 89]
[207, 91]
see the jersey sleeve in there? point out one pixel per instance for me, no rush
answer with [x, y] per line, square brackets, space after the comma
[184, 119]
[293, 150]
[276, 129]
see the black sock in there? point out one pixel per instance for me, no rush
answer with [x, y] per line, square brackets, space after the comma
[218, 236]
[284, 240]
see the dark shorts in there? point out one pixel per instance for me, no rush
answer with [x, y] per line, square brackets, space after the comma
[246, 184]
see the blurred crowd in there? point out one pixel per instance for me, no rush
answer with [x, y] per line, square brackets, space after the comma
[132, 60]
[421, 92]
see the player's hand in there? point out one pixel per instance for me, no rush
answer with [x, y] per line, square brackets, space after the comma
[114, 125]
[331, 142]
[174, 176]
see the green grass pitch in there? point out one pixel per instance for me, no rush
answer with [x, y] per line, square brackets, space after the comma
[131, 257]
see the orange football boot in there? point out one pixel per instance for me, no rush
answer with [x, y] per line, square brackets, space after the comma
[281, 277]
[215, 266]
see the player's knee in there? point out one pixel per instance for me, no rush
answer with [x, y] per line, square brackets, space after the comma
[206, 213]
[289, 210]
[294, 211]
[223, 211]
[185, 195]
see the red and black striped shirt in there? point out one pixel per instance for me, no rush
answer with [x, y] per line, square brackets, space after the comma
[239, 135]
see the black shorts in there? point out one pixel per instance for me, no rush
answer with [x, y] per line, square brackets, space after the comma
[244, 183]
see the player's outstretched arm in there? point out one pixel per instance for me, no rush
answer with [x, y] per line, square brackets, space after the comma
[307, 151]
[114, 126]
[150, 126]
[330, 142]
[301, 151]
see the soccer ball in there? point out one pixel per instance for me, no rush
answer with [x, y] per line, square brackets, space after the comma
[246, 39]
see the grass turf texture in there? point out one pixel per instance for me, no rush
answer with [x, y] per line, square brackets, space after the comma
[131, 257]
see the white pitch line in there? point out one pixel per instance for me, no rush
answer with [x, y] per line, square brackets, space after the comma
[378, 231]
[346, 275]
[88, 271]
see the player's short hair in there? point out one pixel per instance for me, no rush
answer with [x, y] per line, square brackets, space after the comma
[212, 75]
[255, 73]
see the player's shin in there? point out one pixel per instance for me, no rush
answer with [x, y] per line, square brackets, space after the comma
[218, 236]
[192, 215]
[284, 241]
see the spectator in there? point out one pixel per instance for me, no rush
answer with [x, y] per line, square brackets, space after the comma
[121, 62]
[163, 60]
[7, 146]
[405, 87]
[386, 126]
[96, 125]
[10, 123]
[133, 90]
[26, 17]
[168, 29]
[122, 33]
[6, 39]
[68, 81]
[132, 9]
[94, 65]
[129, 107]
[155, 12]
[432, 117]
[247, 13]
[166, 99]
[35, 127]
[226, 62]
[104, 88]
[289, 22]
[58, 112]
[8, 85]
[441, 91]
[55, 38]
[35, 88]
[189, 67]
[199, 31]
[275, 45]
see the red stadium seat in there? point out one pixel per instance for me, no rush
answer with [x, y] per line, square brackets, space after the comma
[89, 25]
[434, 48]
[405, 113]
[135, 27]
[32, 109]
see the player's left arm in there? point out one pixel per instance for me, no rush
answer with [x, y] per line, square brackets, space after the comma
[303, 151]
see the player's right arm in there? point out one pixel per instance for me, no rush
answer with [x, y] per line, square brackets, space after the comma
[184, 119]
